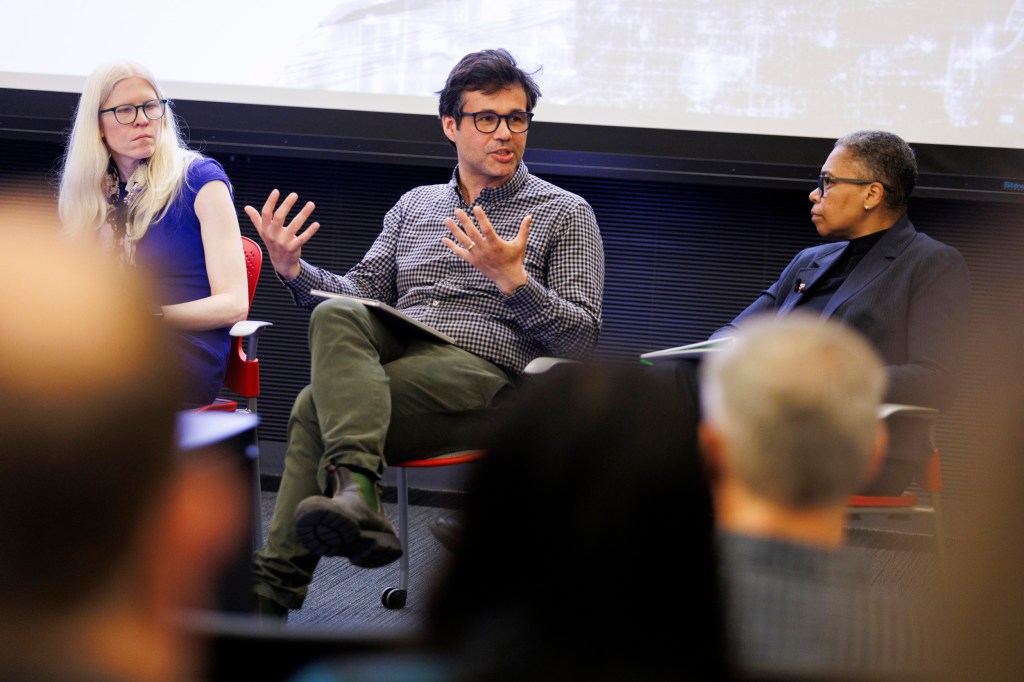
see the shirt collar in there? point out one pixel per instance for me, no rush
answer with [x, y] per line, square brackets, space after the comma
[491, 195]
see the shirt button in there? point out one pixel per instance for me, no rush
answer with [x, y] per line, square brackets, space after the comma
[435, 303]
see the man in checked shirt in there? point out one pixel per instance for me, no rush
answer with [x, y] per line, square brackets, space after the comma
[519, 273]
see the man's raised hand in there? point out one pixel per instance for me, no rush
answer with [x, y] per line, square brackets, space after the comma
[284, 242]
[502, 262]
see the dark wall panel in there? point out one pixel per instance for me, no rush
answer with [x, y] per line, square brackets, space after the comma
[682, 259]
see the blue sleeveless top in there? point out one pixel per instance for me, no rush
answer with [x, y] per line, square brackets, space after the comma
[171, 254]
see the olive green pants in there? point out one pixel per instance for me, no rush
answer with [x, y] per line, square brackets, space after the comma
[362, 374]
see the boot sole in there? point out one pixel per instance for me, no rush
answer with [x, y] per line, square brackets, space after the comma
[325, 532]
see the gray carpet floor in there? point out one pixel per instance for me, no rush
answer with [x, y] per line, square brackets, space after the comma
[345, 598]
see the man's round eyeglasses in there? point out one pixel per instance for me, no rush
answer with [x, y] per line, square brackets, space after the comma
[126, 114]
[488, 121]
[826, 181]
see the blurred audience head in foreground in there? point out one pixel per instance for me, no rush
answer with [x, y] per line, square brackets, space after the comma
[790, 429]
[103, 533]
[790, 425]
[593, 479]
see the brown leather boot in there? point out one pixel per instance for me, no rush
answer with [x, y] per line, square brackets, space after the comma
[345, 525]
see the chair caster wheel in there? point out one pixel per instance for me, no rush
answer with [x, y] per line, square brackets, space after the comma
[393, 598]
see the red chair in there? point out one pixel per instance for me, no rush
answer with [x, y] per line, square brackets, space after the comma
[926, 502]
[395, 597]
[243, 371]
[243, 376]
[439, 440]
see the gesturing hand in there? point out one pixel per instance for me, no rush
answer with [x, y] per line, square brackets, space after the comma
[502, 262]
[284, 243]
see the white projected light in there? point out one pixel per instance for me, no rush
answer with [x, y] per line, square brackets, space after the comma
[943, 72]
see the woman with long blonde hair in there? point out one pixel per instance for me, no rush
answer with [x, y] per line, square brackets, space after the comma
[130, 185]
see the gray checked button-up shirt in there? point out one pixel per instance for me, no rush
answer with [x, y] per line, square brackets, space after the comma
[557, 313]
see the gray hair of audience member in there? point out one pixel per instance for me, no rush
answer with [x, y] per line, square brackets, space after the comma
[796, 401]
[87, 418]
[888, 159]
[486, 71]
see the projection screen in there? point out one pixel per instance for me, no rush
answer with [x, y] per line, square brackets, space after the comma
[945, 72]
